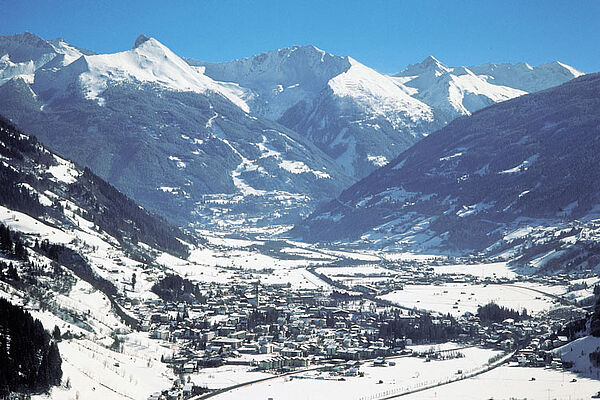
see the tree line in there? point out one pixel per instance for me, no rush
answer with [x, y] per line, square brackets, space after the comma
[422, 328]
[492, 312]
[176, 288]
[30, 361]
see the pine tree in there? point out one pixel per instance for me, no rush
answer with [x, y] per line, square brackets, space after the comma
[54, 365]
[56, 335]
[595, 321]
[20, 251]
[12, 272]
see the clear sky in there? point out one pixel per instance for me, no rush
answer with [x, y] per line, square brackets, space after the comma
[385, 35]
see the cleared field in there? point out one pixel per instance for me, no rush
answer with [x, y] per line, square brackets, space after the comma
[408, 373]
[512, 382]
[457, 299]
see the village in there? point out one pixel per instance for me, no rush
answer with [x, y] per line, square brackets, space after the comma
[339, 329]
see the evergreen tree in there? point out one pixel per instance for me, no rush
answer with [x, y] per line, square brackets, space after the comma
[20, 252]
[56, 335]
[595, 321]
[12, 273]
[31, 363]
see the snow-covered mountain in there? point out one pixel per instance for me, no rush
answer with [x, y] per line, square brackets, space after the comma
[489, 178]
[359, 117]
[278, 80]
[22, 55]
[177, 141]
[523, 76]
[149, 62]
[457, 91]
[362, 118]
[260, 140]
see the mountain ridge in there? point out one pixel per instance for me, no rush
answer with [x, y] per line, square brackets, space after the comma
[464, 187]
[215, 153]
[172, 138]
[359, 117]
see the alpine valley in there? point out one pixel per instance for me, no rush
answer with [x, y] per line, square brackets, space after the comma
[295, 225]
[493, 181]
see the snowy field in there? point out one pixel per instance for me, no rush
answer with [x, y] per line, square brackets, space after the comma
[466, 297]
[226, 375]
[578, 353]
[226, 260]
[97, 373]
[408, 373]
[492, 270]
[394, 256]
[512, 382]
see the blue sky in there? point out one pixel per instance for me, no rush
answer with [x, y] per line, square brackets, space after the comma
[385, 35]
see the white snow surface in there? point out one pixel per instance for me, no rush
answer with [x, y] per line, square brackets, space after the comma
[452, 91]
[467, 297]
[492, 270]
[525, 77]
[65, 171]
[513, 382]
[377, 93]
[150, 62]
[408, 373]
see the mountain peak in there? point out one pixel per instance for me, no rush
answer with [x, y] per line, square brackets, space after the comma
[561, 68]
[309, 48]
[140, 40]
[431, 60]
[429, 65]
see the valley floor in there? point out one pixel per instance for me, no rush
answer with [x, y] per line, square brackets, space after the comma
[295, 272]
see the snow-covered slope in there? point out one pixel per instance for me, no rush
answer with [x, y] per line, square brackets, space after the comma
[523, 76]
[21, 55]
[457, 91]
[356, 115]
[174, 139]
[578, 353]
[525, 162]
[363, 118]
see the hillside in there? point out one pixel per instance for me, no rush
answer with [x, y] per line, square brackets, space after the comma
[524, 163]
[362, 118]
[45, 186]
[170, 137]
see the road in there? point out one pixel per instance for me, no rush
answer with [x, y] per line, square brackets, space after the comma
[376, 300]
[316, 367]
[560, 299]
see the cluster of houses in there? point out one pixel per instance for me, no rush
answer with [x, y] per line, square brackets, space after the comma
[274, 328]
[282, 330]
